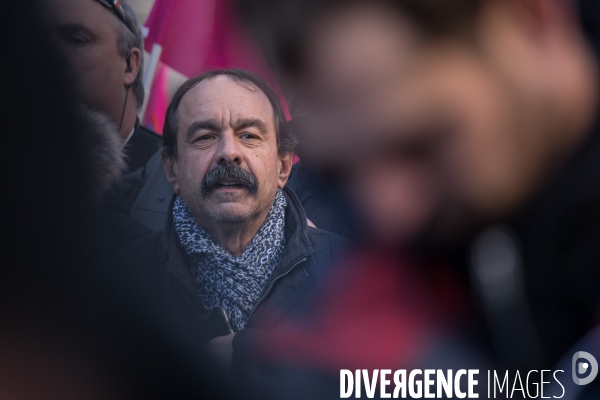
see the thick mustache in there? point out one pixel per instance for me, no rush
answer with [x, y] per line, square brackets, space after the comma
[223, 174]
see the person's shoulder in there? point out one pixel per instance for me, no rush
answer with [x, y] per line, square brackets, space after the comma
[149, 133]
[147, 250]
[153, 241]
[322, 233]
[323, 240]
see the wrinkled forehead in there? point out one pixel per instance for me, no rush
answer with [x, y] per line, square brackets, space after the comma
[224, 100]
[85, 13]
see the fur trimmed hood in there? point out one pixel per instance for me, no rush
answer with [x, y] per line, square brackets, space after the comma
[103, 153]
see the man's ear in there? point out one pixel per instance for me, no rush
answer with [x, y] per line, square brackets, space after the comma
[285, 168]
[542, 18]
[171, 171]
[132, 68]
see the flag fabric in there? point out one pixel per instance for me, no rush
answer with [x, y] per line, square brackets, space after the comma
[157, 103]
[198, 35]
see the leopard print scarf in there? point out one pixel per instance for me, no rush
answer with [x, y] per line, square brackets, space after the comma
[234, 284]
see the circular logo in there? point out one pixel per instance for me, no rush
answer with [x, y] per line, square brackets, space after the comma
[584, 363]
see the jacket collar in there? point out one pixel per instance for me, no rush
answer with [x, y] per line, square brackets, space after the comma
[297, 245]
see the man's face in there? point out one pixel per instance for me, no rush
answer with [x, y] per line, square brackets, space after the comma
[433, 137]
[223, 123]
[84, 34]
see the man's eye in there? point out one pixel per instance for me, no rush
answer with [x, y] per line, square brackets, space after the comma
[205, 137]
[77, 40]
[248, 136]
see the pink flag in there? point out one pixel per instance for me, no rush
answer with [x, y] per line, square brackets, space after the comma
[198, 35]
[157, 103]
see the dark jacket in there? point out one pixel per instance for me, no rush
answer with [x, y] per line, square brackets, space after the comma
[559, 234]
[549, 295]
[159, 264]
[141, 146]
[151, 204]
[323, 206]
[106, 163]
[145, 186]
[123, 230]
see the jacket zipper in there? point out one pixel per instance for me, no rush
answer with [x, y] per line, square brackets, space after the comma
[265, 294]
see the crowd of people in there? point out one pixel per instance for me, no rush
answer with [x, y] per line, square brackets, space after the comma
[444, 214]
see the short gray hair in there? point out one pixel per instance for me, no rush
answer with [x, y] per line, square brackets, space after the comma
[130, 37]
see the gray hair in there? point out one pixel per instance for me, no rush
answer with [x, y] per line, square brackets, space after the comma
[130, 37]
[286, 138]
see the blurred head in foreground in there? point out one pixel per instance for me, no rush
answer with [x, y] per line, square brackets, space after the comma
[439, 116]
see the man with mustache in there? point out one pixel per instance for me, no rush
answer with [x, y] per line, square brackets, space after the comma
[236, 253]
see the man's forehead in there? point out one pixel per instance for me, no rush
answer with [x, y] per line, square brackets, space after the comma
[223, 99]
[88, 13]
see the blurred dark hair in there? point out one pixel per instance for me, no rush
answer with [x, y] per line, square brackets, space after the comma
[286, 139]
[281, 26]
[589, 12]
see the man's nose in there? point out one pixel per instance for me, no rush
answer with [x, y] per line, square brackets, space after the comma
[229, 150]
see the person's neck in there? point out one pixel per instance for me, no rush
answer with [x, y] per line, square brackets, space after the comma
[129, 117]
[234, 236]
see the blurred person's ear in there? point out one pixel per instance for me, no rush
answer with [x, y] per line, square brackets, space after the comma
[132, 66]
[541, 18]
[536, 43]
[555, 39]
[171, 172]
[286, 161]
